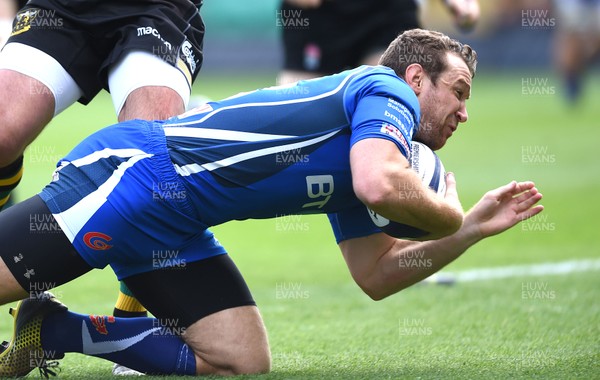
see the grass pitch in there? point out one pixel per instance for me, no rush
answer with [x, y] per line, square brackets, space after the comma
[322, 326]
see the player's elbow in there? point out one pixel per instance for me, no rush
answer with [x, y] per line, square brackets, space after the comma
[376, 289]
[378, 293]
[375, 196]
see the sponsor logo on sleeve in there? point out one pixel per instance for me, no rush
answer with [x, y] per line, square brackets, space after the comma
[395, 133]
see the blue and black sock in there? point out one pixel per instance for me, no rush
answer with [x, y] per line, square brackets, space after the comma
[132, 342]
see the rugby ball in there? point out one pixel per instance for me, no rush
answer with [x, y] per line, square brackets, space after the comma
[428, 166]
[430, 169]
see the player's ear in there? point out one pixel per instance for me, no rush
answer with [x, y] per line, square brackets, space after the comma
[415, 76]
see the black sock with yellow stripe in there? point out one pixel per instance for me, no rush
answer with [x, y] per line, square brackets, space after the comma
[127, 305]
[10, 176]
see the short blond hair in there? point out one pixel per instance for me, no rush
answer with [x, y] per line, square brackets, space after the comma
[427, 48]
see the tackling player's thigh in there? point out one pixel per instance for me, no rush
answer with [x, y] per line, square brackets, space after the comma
[143, 86]
[152, 103]
[27, 106]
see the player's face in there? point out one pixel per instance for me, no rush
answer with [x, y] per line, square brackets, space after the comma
[443, 105]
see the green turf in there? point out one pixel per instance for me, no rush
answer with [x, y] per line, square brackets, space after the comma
[322, 326]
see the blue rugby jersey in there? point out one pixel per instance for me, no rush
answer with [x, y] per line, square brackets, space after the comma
[138, 188]
[285, 150]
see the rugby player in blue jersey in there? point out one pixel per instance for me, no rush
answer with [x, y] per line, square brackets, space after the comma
[108, 198]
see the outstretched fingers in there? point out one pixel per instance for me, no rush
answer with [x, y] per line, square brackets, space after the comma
[527, 207]
[513, 189]
[530, 212]
[525, 201]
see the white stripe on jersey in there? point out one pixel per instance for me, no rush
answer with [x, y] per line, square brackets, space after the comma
[105, 153]
[81, 212]
[190, 169]
[269, 104]
[221, 134]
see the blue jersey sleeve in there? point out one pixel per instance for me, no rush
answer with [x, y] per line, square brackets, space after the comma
[385, 107]
[352, 223]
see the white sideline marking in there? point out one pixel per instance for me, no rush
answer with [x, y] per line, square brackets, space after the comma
[557, 268]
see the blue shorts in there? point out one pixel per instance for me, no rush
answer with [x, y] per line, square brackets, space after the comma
[125, 206]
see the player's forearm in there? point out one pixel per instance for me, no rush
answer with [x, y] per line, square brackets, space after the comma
[407, 263]
[400, 196]
[407, 201]
[383, 180]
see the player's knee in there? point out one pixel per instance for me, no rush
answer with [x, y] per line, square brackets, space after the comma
[255, 361]
[258, 362]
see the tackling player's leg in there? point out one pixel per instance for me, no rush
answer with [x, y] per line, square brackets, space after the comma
[33, 88]
[19, 94]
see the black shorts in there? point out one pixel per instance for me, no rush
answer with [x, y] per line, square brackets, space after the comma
[40, 257]
[340, 34]
[87, 37]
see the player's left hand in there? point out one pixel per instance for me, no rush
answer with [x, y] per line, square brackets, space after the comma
[466, 13]
[504, 207]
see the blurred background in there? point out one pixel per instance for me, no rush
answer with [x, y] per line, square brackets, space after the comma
[510, 35]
